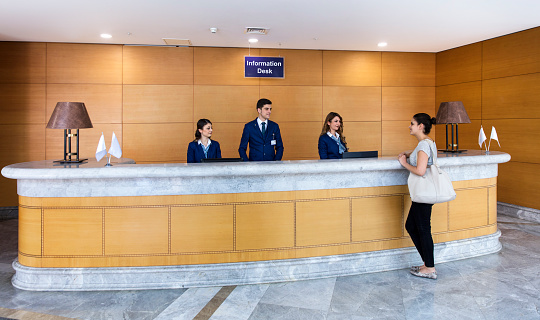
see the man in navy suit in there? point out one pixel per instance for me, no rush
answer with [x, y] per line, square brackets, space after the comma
[262, 135]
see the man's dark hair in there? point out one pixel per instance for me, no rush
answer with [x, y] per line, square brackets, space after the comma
[262, 102]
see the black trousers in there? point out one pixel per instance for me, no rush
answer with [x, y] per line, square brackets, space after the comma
[418, 226]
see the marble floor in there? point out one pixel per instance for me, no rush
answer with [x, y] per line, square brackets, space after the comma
[505, 285]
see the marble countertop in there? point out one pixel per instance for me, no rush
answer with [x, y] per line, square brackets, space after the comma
[124, 178]
[126, 168]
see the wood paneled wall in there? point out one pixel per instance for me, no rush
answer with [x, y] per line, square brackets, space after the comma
[223, 228]
[152, 97]
[498, 81]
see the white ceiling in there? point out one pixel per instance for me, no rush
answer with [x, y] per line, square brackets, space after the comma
[411, 26]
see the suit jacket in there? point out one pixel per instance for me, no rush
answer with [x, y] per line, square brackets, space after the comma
[328, 148]
[260, 148]
[195, 151]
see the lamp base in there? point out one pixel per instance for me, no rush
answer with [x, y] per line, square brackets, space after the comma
[452, 151]
[70, 161]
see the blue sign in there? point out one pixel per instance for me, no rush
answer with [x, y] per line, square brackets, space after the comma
[264, 67]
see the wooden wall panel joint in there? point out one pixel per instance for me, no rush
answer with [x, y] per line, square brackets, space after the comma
[169, 229]
[234, 226]
[103, 232]
[42, 231]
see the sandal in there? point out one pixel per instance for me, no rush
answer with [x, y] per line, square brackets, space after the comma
[416, 268]
[430, 275]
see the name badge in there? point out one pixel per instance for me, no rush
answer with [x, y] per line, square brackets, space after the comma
[273, 142]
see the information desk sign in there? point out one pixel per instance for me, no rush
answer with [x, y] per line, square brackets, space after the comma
[264, 67]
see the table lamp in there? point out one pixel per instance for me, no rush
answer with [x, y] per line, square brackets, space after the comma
[452, 113]
[68, 116]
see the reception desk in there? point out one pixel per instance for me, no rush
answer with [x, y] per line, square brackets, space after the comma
[137, 226]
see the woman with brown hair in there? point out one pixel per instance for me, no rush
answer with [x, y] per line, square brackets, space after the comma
[332, 142]
[203, 147]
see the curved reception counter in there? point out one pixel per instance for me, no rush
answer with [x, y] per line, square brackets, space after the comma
[146, 226]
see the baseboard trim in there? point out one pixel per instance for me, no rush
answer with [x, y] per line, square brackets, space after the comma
[519, 212]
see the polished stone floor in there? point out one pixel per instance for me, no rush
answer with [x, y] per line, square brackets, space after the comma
[505, 285]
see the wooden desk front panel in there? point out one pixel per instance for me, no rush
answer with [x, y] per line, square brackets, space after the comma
[221, 228]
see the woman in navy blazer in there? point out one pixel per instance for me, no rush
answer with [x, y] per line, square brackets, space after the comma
[332, 142]
[202, 147]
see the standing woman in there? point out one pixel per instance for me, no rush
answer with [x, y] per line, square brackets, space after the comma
[332, 142]
[202, 147]
[418, 223]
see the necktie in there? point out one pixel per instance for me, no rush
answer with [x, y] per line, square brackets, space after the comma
[205, 149]
[263, 128]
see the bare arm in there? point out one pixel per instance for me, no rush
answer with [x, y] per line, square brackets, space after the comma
[421, 163]
[407, 154]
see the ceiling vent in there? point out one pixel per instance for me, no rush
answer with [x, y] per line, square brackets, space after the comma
[177, 42]
[256, 30]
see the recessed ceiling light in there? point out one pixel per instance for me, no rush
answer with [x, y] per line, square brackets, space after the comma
[253, 40]
[106, 36]
[382, 44]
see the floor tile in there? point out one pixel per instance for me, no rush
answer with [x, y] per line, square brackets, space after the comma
[265, 311]
[313, 294]
[240, 303]
[503, 285]
[189, 304]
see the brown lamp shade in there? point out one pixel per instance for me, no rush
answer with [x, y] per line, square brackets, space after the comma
[452, 112]
[69, 115]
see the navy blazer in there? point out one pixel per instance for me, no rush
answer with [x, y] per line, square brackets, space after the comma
[195, 151]
[260, 148]
[328, 148]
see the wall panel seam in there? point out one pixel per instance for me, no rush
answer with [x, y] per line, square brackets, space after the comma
[456, 83]
[103, 232]
[511, 76]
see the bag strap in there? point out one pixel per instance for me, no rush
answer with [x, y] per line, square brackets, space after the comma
[433, 152]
